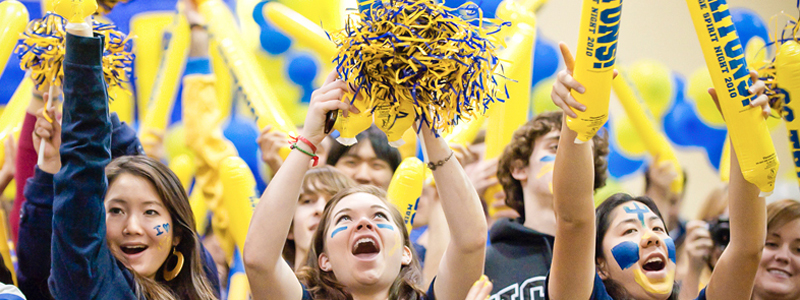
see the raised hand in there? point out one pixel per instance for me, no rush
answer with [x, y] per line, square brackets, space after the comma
[48, 135]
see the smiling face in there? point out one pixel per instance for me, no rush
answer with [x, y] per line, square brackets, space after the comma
[364, 244]
[778, 275]
[139, 228]
[638, 253]
[362, 165]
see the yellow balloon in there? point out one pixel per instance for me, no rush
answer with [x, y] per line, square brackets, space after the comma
[612, 187]
[239, 198]
[175, 142]
[697, 90]
[199, 210]
[540, 98]
[756, 53]
[653, 82]
[13, 19]
[730, 75]
[626, 137]
[406, 187]
[302, 30]
[184, 168]
[394, 121]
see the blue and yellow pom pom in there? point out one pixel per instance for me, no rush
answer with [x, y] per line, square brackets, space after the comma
[42, 47]
[441, 59]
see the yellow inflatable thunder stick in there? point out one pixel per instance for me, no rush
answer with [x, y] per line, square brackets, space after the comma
[167, 81]
[14, 112]
[6, 245]
[148, 28]
[301, 30]
[353, 124]
[13, 18]
[594, 64]
[238, 288]
[242, 63]
[787, 67]
[726, 63]
[239, 197]
[725, 161]
[406, 187]
[394, 120]
[183, 167]
[654, 140]
[199, 210]
[505, 118]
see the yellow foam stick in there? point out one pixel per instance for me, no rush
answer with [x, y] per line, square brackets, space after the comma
[183, 167]
[239, 197]
[406, 187]
[654, 140]
[787, 67]
[242, 63]
[594, 64]
[725, 59]
[199, 210]
[301, 30]
[224, 83]
[505, 118]
[239, 287]
[465, 132]
[349, 127]
[394, 120]
[725, 161]
[148, 28]
[167, 81]
[13, 19]
[75, 11]
[5, 246]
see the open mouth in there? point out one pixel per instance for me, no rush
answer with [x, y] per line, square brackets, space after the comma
[131, 250]
[365, 247]
[654, 264]
[779, 273]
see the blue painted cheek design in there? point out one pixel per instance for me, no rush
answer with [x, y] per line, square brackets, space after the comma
[548, 158]
[626, 254]
[337, 230]
[385, 226]
[670, 248]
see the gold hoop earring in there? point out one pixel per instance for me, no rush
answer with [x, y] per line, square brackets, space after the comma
[171, 274]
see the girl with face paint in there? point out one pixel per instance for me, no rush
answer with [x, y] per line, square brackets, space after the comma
[633, 256]
[361, 250]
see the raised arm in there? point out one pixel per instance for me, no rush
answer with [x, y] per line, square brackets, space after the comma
[735, 271]
[269, 275]
[573, 269]
[462, 263]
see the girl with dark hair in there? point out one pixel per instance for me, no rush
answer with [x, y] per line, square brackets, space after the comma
[122, 229]
[361, 249]
[623, 250]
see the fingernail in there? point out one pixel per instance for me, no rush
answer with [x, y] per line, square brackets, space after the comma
[581, 89]
[582, 108]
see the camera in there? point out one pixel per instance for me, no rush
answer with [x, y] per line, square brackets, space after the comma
[720, 230]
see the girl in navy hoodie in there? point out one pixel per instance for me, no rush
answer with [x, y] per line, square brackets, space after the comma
[122, 229]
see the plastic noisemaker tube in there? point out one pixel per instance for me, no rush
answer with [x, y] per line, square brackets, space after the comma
[726, 63]
[406, 187]
[787, 67]
[594, 64]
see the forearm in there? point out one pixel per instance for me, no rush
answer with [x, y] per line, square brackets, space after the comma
[747, 212]
[438, 238]
[573, 180]
[460, 202]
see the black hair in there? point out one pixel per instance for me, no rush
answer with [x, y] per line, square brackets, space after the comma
[379, 142]
[603, 219]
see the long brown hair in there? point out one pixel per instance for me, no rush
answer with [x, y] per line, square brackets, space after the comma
[325, 179]
[323, 285]
[192, 282]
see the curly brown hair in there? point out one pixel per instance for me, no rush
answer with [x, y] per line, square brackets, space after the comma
[521, 147]
[323, 285]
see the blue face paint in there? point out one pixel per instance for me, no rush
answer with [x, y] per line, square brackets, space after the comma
[386, 226]
[548, 158]
[626, 254]
[639, 211]
[337, 230]
[670, 248]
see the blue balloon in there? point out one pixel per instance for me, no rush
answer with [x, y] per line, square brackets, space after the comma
[620, 166]
[545, 59]
[258, 14]
[274, 42]
[302, 69]
[713, 142]
[242, 132]
[308, 89]
[681, 124]
[489, 7]
[748, 25]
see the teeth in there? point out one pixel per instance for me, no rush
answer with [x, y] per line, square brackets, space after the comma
[365, 240]
[135, 247]
[654, 259]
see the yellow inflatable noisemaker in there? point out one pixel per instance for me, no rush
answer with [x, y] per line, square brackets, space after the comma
[13, 19]
[655, 142]
[594, 64]
[787, 67]
[725, 59]
[406, 187]
[239, 199]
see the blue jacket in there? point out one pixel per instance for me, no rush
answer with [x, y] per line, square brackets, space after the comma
[82, 267]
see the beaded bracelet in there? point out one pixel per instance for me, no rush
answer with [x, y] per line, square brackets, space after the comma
[433, 166]
[293, 141]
